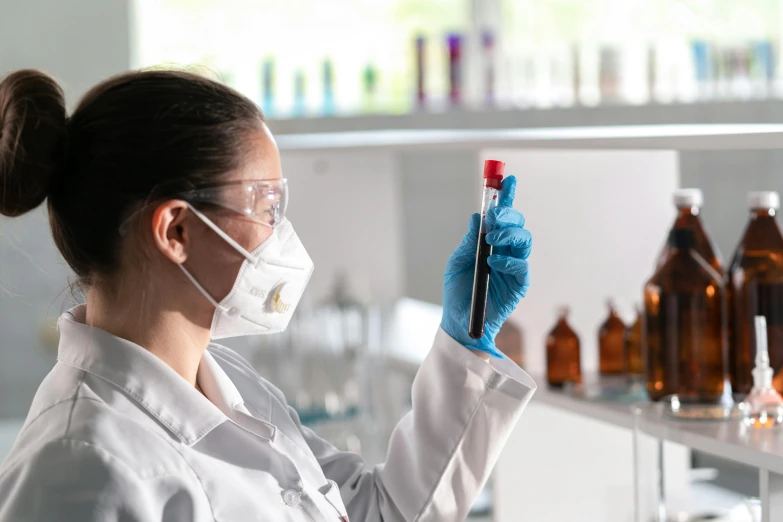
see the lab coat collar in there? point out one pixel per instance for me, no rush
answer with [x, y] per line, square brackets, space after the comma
[217, 386]
[146, 379]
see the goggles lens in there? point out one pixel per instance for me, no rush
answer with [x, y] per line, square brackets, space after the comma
[263, 201]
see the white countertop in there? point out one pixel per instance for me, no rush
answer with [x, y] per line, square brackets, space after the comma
[729, 439]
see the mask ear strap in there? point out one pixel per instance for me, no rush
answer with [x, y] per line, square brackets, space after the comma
[222, 234]
[201, 288]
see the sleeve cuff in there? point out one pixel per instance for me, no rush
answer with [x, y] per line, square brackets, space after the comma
[499, 374]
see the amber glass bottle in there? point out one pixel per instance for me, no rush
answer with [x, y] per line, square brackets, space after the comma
[755, 287]
[563, 363]
[509, 340]
[634, 363]
[688, 203]
[611, 343]
[685, 343]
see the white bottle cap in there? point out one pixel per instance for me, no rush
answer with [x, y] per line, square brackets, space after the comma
[688, 197]
[767, 199]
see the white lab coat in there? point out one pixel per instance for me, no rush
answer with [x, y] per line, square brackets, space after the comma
[115, 434]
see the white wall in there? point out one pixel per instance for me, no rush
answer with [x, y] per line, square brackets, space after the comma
[80, 42]
[598, 219]
[346, 210]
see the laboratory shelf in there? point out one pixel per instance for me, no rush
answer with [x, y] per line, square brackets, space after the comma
[728, 439]
[709, 136]
[722, 111]
[617, 414]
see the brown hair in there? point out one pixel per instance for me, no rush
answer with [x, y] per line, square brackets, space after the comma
[139, 132]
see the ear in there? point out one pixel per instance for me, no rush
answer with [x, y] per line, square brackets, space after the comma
[170, 231]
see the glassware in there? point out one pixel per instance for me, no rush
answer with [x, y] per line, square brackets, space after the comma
[493, 177]
[688, 203]
[634, 362]
[763, 407]
[611, 343]
[455, 69]
[685, 313]
[563, 363]
[755, 287]
[421, 97]
[509, 340]
[753, 505]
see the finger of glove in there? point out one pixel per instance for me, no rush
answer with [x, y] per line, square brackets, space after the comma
[519, 268]
[519, 239]
[471, 236]
[504, 217]
[508, 189]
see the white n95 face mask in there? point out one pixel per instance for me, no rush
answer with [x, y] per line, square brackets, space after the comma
[268, 287]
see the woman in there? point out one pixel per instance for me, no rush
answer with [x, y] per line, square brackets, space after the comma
[166, 198]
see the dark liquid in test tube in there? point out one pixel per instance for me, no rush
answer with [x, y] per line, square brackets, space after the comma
[493, 177]
[478, 306]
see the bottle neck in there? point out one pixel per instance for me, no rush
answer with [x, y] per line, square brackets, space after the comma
[756, 213]
[688, 211]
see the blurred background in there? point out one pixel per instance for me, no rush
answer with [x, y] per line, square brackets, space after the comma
[381, 224]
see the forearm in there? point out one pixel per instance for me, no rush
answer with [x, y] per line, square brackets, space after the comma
[442, 452]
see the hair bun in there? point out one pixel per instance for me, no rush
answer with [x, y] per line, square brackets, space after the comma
[33, 140]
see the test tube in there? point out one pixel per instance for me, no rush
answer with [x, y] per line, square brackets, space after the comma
[268, 83]
[455, 69]
[493, 176]
[420, 94]
[328, 85]
[488, 47]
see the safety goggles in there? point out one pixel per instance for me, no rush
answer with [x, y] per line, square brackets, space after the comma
[262, 201]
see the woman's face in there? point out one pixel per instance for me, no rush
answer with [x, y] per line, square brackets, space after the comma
[211, 260]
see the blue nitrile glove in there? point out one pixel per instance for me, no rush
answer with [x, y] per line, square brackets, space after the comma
[508, 281]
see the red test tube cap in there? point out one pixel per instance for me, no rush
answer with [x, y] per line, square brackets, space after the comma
[493, 173]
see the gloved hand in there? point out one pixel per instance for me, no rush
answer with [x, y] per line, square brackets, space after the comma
[508, 280]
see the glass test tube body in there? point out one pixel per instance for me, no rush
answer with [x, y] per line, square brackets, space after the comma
[478, 304]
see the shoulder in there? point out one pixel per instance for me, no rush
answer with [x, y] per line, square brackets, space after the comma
[69, 479]
[96, 465]
[85, 425]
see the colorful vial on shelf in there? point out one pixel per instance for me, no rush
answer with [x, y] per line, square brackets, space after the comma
[611, 343]
[421, 97]
[609, 75]
[488, 48]
[268, 87]
[576, 73]
[634, 361]
[689, 203]
[755, 287]
[370, 88]
[702, 65]
[563, 360]
[652, 73]
[455, 69]
[298, 109]
[328, 86]
[685, 313]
